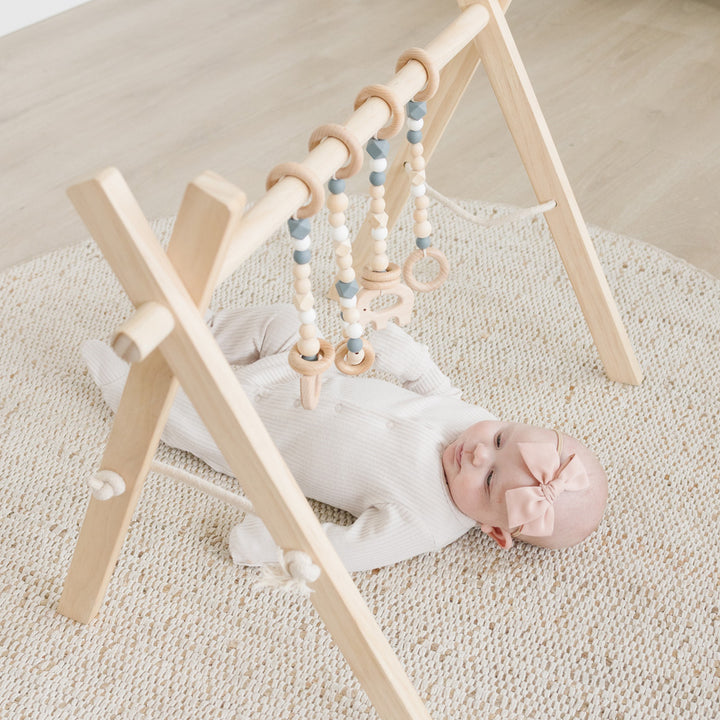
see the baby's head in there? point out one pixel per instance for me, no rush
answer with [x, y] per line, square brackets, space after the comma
[525, 482]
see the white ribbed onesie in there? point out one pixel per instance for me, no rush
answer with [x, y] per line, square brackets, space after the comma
[370, 447]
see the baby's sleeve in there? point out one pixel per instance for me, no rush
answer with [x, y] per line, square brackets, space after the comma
[409, 361]
[382, 535]
[248, 334]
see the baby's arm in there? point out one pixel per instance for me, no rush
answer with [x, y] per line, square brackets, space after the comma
[410, 362]
[249, 333]
[382, 535]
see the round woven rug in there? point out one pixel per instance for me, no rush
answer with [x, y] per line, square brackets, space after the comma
[626, 625]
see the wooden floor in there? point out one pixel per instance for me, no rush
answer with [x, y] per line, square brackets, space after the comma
[166, 89]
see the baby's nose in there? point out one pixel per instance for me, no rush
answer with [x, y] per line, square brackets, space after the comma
[480, 454]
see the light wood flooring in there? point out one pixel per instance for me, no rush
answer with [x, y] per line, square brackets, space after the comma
[165, 89]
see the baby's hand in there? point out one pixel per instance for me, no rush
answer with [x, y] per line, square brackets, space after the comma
[251, 543]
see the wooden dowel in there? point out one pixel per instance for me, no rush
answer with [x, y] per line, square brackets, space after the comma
[140, 334]
[283, 199]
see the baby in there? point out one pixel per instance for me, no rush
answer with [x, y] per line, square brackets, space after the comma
[415, 465]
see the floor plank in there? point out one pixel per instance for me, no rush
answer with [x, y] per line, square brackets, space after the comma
[166, 90]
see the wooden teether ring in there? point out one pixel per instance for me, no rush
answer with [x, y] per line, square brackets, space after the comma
[305, 175]
[433, 76]
[388, 96]
[348, 139]
[347, 368]
[311, 372]
[381, 279]
[437, 281]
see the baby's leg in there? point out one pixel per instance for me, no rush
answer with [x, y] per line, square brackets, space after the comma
[248, 334]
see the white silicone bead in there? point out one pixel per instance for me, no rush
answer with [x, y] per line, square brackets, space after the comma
[303, 244]
[418, 190]
[307, 317]
[349, 302]
[379, 233]
[415, 124]
[340, 234]
[378, 165]
[354, 330]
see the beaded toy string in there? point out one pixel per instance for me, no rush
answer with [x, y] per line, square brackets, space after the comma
[353, 355]
[311, 355]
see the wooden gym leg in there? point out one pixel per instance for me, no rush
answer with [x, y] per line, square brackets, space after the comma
[504, 67]
[200, 366]
[206, 218]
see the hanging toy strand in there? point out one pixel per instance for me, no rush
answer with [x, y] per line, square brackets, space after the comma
[311, 355]
[354, 355]
[382, 277]
[421, 227]
[416, 110]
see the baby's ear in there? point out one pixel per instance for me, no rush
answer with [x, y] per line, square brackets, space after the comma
[502, 537]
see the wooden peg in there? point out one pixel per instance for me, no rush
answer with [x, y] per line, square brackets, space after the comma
[143, 332]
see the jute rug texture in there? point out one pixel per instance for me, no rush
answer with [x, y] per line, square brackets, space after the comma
[627, 625]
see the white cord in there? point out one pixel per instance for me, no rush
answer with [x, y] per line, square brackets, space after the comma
[490, 221]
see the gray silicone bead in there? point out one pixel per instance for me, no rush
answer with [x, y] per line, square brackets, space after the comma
[416, 110]
[299, 229]
[336, 186]
[355, 344]
[347, 290]
[377, 178]
[302, 257]
[423, 243]
[377, 148]
[414, 136]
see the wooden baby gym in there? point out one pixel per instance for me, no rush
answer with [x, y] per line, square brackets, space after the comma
[169, 344]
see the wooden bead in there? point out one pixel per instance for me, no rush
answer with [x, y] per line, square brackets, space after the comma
[301, 271]
[377, 191]
[418, 178]
[380, 262]
[379, 220]
[337, 219]
[379, 247]
[344, 261]
[346, 275]
[420, 215]
[308, 332]
[341, 250]
[418, 163]
[422, 202]
[337, 203]
[416, 149]
[377, 205]
[304, 302]
[351, 315]
[303, 286]
[422, 229]
[309, 347]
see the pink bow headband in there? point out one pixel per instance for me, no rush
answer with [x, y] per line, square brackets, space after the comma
[531, 509]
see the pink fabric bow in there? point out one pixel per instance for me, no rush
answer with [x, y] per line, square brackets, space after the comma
[532, 507]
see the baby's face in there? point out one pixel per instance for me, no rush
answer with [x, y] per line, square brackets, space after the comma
[484, 462]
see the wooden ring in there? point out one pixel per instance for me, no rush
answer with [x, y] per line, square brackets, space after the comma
[433, 76]
[348, 139]
[381, 280]
[305, 175]
[437, 281]
[308, 368]
[388, 96]
[345, 367]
